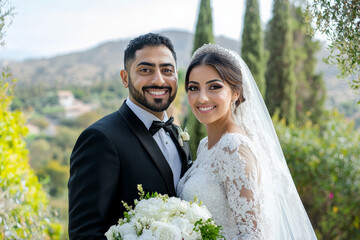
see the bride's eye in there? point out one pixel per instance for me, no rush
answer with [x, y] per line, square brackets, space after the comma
[192, 88]
[215, 87]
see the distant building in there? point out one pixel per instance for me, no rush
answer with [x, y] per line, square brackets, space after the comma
[72, 107]
[33, 130]
[66, 98]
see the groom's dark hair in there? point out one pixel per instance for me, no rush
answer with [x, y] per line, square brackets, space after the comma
[146, 40]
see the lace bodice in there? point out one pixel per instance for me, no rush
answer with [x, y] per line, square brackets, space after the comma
[226, 179]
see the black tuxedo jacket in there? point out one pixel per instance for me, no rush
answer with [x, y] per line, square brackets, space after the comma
[109, 159]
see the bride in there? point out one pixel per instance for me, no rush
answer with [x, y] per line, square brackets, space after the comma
[240, 173]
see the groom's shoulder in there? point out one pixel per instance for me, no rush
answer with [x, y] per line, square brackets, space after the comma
[108, 121]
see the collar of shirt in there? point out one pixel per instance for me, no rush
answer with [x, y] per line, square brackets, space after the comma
[146, 117]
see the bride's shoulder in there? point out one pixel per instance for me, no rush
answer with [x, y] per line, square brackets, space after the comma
[238, 146]
[234, 140]
[203, 143]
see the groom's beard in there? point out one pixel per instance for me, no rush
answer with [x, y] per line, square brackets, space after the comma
[159, 105]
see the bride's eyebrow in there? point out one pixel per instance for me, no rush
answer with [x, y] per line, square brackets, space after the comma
[193, 82]
[214, 80]
[208, 82]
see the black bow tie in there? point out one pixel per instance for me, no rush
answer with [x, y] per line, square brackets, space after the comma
[156, 125]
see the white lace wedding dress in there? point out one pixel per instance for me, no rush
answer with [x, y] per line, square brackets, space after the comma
[226, 179]
[244, 180]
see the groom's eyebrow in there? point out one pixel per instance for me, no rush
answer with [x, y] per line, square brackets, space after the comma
[153, 64]
[166, 65]
[146, 64]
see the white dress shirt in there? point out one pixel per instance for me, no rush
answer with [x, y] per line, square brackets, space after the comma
[162, 138]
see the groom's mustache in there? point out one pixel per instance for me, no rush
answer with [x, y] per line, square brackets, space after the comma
[157, 87]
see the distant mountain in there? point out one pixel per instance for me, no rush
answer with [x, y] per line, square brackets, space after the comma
[105, 61]
[99, 63]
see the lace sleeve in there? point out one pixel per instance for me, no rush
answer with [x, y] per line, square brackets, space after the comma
[238, 169]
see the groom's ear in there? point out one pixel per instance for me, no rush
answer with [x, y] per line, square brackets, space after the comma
[124, 77]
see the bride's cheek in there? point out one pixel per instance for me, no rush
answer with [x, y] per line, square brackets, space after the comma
[191, 99]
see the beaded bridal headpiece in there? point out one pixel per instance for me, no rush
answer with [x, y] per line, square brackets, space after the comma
[213, 48]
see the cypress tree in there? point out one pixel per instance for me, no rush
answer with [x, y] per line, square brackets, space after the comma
[310, 87]
[204, 26]
[203, 34]
[280, 77]
[252, 49]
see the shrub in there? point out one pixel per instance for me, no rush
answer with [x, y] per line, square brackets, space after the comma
[23, 203]
[324, 162]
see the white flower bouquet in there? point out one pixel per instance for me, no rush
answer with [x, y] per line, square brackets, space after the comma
[162, 217]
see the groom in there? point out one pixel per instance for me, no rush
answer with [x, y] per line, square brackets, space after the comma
[138, 144]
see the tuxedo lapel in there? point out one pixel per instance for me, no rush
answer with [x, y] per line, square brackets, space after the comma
[146, 139]
[184, 150]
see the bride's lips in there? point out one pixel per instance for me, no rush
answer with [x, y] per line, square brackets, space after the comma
[205, 109]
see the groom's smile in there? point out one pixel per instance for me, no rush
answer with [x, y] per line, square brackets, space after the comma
[157, 92]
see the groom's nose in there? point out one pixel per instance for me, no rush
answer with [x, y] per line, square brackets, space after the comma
[158, 78]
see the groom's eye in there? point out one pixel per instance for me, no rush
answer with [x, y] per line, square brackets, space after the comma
[168, 71]
[145, 70]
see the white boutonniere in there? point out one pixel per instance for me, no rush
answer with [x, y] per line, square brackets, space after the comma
[183, 136]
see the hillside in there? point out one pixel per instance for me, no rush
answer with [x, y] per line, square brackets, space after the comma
[105, 61]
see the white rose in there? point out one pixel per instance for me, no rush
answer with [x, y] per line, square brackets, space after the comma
[110, 233]
[147, 235]
[196, 212]
[166, 231]
[187, 229]
[130, 237]
[174, 206]
[125, 229]
[149, 208]
[192, 236]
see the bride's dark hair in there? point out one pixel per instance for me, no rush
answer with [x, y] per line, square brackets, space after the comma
[228, 71]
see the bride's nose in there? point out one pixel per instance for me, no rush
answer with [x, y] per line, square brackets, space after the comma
[203, 97]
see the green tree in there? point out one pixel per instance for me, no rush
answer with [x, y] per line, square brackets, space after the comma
[252, 49]
[203, 34]
[204, 27]
[40, 153]
[280, 79]
[24, 212]
[310, 87]
[340, 21]
[6, 14]
[58, 176]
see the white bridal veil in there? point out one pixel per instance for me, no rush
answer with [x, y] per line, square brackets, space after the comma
[282, 212]
[282, 209]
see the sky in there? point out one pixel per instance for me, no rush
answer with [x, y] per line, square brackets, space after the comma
[46, 28]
